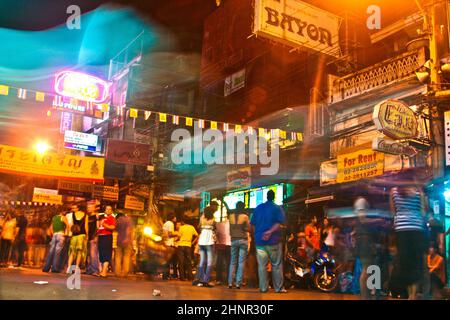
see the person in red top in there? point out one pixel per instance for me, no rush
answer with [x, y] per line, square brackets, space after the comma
[105, 239]
[312, 237]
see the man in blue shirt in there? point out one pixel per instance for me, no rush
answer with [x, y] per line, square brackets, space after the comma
[266, 221]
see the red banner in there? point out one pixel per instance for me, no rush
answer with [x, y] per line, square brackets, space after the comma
[128, 152]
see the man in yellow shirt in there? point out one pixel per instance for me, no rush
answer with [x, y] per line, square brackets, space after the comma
[187, 236]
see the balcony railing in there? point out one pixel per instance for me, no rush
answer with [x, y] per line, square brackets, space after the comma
[377, 76]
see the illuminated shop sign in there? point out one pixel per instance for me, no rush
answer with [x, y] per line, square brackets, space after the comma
[298, 24]
[81, 86]
[395, 119]
[79, 107]
[80, 141]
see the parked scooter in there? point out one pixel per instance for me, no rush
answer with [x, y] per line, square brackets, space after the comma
[320, 273]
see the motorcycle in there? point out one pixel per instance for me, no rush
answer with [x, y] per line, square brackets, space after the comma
[321, 272]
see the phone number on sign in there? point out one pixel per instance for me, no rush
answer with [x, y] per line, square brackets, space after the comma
[362, 175]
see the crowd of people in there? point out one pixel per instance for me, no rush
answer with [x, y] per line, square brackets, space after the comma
[85, 240]
[408, 248]
[224, 246]
[13, 243]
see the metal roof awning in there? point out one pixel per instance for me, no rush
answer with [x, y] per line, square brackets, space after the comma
[319, 199]
[348, 212]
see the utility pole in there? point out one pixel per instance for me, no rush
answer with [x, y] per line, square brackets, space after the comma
[436, 115]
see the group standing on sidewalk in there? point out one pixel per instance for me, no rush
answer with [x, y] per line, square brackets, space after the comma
[407, 248]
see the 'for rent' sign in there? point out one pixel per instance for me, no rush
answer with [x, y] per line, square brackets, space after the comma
[361, 164]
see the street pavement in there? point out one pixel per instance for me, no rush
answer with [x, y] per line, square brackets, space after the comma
[19, 285]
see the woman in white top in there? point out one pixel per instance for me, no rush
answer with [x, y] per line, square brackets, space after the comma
[206, 247]
[328, 236]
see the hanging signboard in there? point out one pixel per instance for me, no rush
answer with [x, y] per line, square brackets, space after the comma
[393, 147]
[447, 137]
[134, 203]
[46, 196]
[53, 165]
[110, 193]
[360, 164]
[80, 141]
[76, 189]
[395, 119]
[128, 152]
[328, 173]
[66, 122]
[81, 86]
[234, 82]
[298, 24]
[239, 179]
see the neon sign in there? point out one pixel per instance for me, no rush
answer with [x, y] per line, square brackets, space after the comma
[81, 86]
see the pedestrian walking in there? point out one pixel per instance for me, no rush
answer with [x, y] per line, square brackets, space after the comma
[239, 234]
[170, 236]
[93, 263]
[367, 244]
[124, 249]
[266, 222]
[206, 243]
[223, 251]
[408, 204]
[8, 235]
[105, 240]
[65, 251]
[20, 242]
[78, 242]
[187, 237]
[58, 229]
[312, 238]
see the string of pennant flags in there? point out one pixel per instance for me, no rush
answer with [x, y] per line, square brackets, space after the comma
[26, 203]
[161, 116]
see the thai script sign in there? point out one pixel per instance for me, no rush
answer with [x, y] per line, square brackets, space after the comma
[360, 164]
[134, 203]
[29, 162]
[297, 23]
[395, 119]
[393, 147]
[46, 196]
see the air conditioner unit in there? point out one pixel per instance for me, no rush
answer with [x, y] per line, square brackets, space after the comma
[317, 113]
